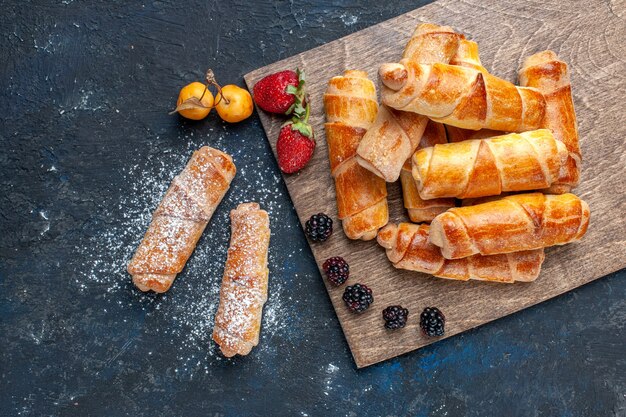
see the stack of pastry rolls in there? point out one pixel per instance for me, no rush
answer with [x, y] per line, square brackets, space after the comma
[489, 164]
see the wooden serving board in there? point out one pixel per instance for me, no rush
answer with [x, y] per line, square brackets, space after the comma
[589, 35]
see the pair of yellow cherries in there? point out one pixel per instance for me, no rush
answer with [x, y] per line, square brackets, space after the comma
[232, 103]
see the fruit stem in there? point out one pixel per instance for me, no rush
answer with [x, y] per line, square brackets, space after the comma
[206, 88]
[210, 79]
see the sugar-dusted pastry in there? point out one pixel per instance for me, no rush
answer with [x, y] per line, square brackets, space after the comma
[407, 247]
[393, 137]
[351, 108]
[421, 210]
[477, 168]
[461, 96]
[548, 74]
[244, 285]
[514, 223]
[180, 219]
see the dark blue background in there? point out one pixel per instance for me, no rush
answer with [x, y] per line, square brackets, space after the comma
[87, 149]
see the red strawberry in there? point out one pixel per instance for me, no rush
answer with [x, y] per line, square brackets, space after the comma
[295, 144]
[282, 92]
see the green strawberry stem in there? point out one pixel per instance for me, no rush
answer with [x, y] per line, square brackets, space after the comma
[301, 124]
[300, 112]
[307, 113]
[299, 94]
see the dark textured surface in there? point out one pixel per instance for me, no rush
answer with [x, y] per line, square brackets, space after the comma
[88, 149]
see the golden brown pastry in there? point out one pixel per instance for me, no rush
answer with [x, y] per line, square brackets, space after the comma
[487, 199]
[180, 219]
[420, 210]
[408, 248]
[432, 43]
[393, 137]
[548, 74]
[477, 168]
[244, 285]
[467, 55]
[460, 96]
[514, 223]
[456, 134]
[351, 108]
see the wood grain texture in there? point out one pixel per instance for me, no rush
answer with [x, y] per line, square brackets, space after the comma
[588, 35]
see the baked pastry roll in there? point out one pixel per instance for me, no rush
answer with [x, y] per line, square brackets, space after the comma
[393, 138]
[467, 55]
[180, 219]
[407, 247]
[548, 74]
[351, 108]
[432, 43]
[477, 168]
[514, 223]
[418, 209]
[456, 134]
[395, 135]
[244, 285]
[461, 96]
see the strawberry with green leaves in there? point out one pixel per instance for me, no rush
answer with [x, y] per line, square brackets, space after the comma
[282, 93]
[295, 144]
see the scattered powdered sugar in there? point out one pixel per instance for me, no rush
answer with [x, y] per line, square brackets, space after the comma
[349, 20]
[184, 316]
[110, 249]
[329, 380]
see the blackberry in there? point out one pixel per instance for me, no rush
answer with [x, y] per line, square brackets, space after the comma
[432, 322]
[319, 227]
[337, 270]
[395, 317]
[358, 297]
